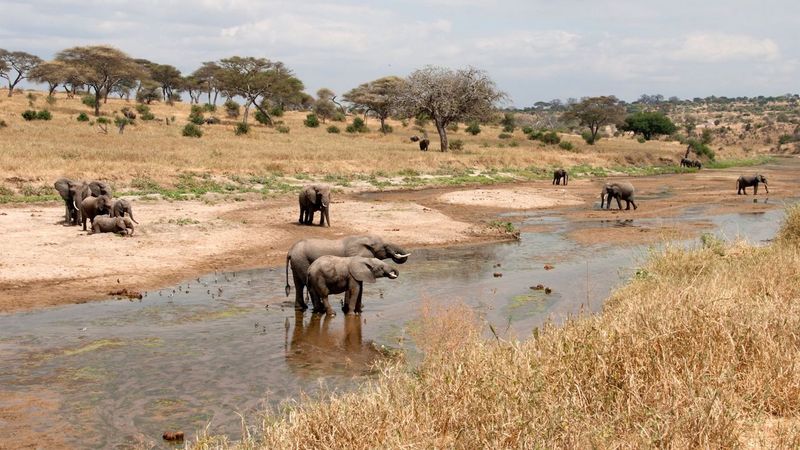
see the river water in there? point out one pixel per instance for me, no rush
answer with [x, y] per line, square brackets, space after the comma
[196, 354]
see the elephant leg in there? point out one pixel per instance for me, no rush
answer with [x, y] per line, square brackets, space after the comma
[634, 205]
[357, 309]
[351, 297]
[755, 189]
[619, 203]
[299, 284]
[627, 205]
[326, 304]
[302, 216]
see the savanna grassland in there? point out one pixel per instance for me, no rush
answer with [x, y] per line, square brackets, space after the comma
[698, 350]
[153, 156]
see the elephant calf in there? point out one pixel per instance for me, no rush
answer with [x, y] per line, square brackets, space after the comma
[120, 208]
[313, 198]
[120, 225]
[424, 143]
[334, 275]
[92, 207]
[619, 190]
[560, 174]
[744, 181]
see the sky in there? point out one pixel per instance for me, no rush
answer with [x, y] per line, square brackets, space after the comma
[535, 50]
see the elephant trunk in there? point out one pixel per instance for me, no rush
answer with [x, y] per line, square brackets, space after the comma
[397, 254]
[766, 187]
[134, 220]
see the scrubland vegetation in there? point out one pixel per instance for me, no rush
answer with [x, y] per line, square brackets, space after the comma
[699, 349]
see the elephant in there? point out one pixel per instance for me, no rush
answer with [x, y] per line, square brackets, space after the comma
[414, 138]
[119, 225]
[558, 174]
[696, 163]
[744, 181]
[686, 162]
[313, 198]
[424, 143]
[66, 189]
[84, 190]
[303, 253]
[92, 207]
[336, 274]
[120, 208]
[620, 191]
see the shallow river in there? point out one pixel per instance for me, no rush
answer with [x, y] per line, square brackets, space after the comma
[201, 352]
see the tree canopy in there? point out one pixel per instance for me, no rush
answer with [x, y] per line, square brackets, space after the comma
[649, 124]
[447, 96]
[15, 66]
[595, 112]
[378, 96]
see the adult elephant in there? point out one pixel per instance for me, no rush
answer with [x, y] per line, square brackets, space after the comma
[303, 253]
[619, 190]
[313, 198]
[92, 207]
[122, 207]
[335, 275]
[745, 181]
[82, 190]
[67, 189]
[424, 143]
[686, 162]
[560, 174]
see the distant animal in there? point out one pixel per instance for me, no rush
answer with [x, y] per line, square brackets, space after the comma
[128, 113]
[122, 207]
[120, 225]
[414, 138]
[335, 274]
[619, 190]
[696, 163]
[750, 180]
[303, 253]
[423, 144]
[92, 207]
[313, 198]
[686, 162]
[212, 120]
[558, 175]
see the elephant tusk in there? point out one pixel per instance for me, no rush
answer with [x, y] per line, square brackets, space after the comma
[393, 275]
[402, 256]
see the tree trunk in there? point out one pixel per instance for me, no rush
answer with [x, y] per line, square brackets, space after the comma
[97, 97]
[216, 92]
[383, 125]
[261, 110]
[246, 110]
[440, 127]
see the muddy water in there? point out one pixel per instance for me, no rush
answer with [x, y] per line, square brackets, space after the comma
[199, 353]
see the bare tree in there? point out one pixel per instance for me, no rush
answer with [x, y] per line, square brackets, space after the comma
[596, 112]
[19, 62]
[101, 68]
[378, 96]
[448, 96]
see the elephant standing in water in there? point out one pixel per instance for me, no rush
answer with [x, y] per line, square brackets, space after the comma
[335, 274]
[560, 174]
[313, 198]
[620, 190]
[303, 253]
[744, 181]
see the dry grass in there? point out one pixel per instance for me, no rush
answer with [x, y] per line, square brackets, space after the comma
[700, 349]
[40, 151]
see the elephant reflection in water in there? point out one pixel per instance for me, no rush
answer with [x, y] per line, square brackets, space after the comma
[318, 344]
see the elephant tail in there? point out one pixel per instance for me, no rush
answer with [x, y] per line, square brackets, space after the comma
[288, 288]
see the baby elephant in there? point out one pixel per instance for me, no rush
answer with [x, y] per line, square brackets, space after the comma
[744, 181]
[92, 207]
[560, 174]
[120, 208]
[424, 143]
[120, 225]
[334, 275]
[619, 190]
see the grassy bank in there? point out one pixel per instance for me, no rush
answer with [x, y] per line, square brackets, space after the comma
[699, 349]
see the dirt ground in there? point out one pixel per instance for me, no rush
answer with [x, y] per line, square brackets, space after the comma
[45, 263]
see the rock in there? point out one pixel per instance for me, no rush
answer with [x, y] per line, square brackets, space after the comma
[549, 267]
[172, 435]
[547, 290]
[126, 293]
[497, 274]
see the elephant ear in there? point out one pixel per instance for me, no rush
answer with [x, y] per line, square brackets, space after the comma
[361, 270]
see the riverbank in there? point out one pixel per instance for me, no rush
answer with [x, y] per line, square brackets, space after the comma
[699, 349]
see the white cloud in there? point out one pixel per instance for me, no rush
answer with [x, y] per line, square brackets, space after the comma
[718, 47]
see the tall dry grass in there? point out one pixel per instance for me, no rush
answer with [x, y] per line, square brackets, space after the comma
[42, 151]
[700, 349]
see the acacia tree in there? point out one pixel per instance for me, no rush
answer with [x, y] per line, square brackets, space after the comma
[259, 81]
[327, 94]
[53, 73]
[169, 78]
[194, 87]
[207, 75]
[324, 107]
[101, 68]
[447, 96]
[378, 96]
[596, 112]
[20, 62]
[648, 124]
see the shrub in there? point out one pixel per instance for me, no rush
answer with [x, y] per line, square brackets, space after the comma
[785, 139]
[550, 138]
[208, 107]
[588, 138]
[241, 128]
[421, 120]
[44, 115]
[283, 129]
[141, 108]
[103, 120]
[358, 126]
[29, 115]
[89, 101]
[51, 100]
[333, 129]
[641, 139]
[262, 118]
[192, 130]
[536, 135]
[196, 116]
[231, 108]
[504, 136]
[339, 117]
[527, 129]
[790, 230]
[311, 121]
[509, 122]
[276, 111]
[453, 127]
[566, 145]
[386, 128]
[149, 116]
[473, 128]
[350, 129]
[456, 144]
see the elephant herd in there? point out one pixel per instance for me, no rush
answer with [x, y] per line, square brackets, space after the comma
[92, 201]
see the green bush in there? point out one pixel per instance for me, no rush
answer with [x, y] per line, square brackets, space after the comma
[29, 115]
[456, 144]
[527, 129]
[350, 129]
[785, 139]
[89, 101]
[358, 126]
[504, 136]
[649, 124]
[208, 107]
[339, 117]
[588, 138]
[141, 108]
[103, 120]
[241, 128]
[453, 127]
[196, 115]
[550, 138]
[231, 108]
[283, 129]
[566, 145]
[262, 118]
[192, 130]
[311, 121]
[276, 111]
[473, 128]
[641, 139]
[386, 128]
[536, 135]
[509, 122]
[333, 129]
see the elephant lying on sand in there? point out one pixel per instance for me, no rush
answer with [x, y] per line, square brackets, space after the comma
[620, 190]
[120, 208]
[313, 198]
[560, 174]
[752, 180]
[303, 253]
[92, 207]
[334, 275]
[119, 225]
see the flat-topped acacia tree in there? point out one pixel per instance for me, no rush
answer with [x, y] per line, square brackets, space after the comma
[378, 96]
[14, 67]
[448, 96]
